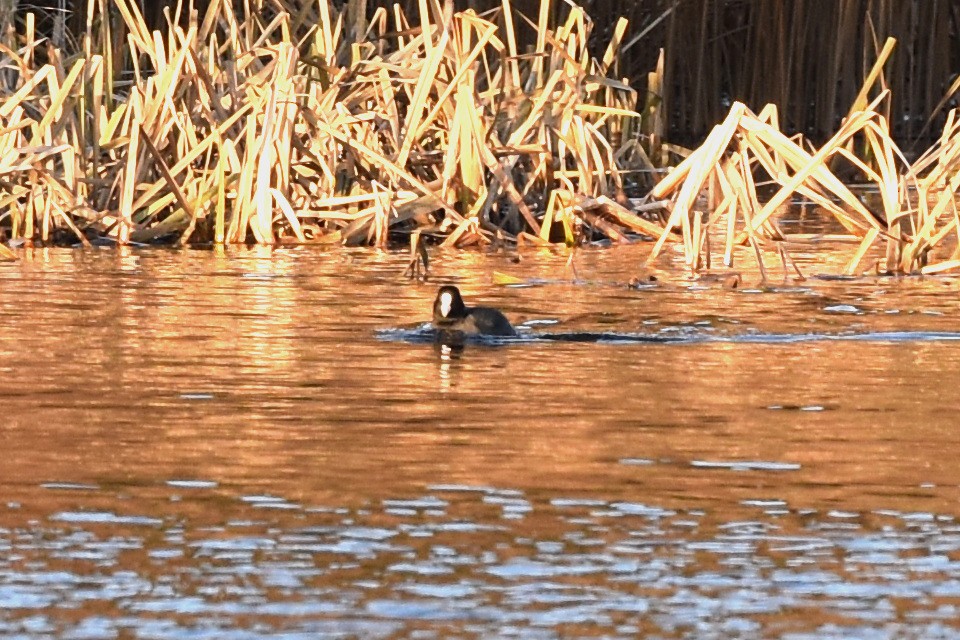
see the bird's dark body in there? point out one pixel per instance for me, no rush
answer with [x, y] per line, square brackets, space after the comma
[450, 314]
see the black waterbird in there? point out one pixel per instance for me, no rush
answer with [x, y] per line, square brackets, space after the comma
[451, 315]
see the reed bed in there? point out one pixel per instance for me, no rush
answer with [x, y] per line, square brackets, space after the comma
[716, 186]
[302, 122]
[306, 123]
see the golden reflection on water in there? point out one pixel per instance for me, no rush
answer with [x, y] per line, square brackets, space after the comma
[277, 344]
[262, 372]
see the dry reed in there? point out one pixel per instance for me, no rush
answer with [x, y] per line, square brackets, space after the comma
[310, 123]
[917, 204]
[228, 129]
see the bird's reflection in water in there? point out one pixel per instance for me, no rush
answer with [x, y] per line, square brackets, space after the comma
[449, 353]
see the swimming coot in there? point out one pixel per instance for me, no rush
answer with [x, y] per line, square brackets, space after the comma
[451, 315]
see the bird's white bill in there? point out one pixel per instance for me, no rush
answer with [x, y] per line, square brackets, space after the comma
[446, 301]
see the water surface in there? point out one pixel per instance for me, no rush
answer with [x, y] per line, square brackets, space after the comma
[249, 445]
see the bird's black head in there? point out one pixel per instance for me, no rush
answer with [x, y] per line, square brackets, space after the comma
[448, 307]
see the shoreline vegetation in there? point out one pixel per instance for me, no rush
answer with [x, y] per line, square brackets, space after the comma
[338, 125]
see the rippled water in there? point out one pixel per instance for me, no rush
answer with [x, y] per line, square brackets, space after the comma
[259, 444]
